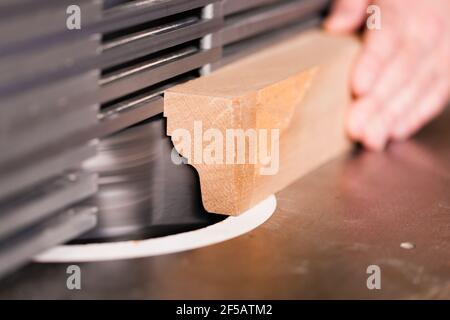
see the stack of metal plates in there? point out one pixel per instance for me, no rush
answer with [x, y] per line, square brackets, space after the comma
[254, 24]
[147, 46]
[48, 96]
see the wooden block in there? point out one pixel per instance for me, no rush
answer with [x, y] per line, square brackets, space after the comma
[297, 90]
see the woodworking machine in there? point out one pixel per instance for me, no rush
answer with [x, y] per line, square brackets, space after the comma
[87, 182]
[84, 152]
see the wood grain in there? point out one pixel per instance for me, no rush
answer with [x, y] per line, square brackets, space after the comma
[298, 87]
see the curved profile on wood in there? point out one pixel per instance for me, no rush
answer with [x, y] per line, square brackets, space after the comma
[255, 126]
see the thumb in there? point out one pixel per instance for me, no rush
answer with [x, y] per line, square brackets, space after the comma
[346, 15]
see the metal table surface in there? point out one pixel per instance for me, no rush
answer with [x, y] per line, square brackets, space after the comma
[327, 229]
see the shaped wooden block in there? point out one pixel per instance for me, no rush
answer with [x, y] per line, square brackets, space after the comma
[257, 125]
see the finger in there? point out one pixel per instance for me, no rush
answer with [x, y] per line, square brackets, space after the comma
[358, 115]
[429, 93]
[394, 105]
[395, 89]
[407, 98]
[346, 15]
[393, 85]
[379, 48]
[402, 82]
[397, 73]
[383, 120]
[418, 52]
[426, 76]
[427, 108]
[376, 133]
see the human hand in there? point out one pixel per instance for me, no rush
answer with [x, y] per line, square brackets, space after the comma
[402, 77]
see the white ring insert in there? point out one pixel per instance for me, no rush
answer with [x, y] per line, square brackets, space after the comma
[227, 229]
